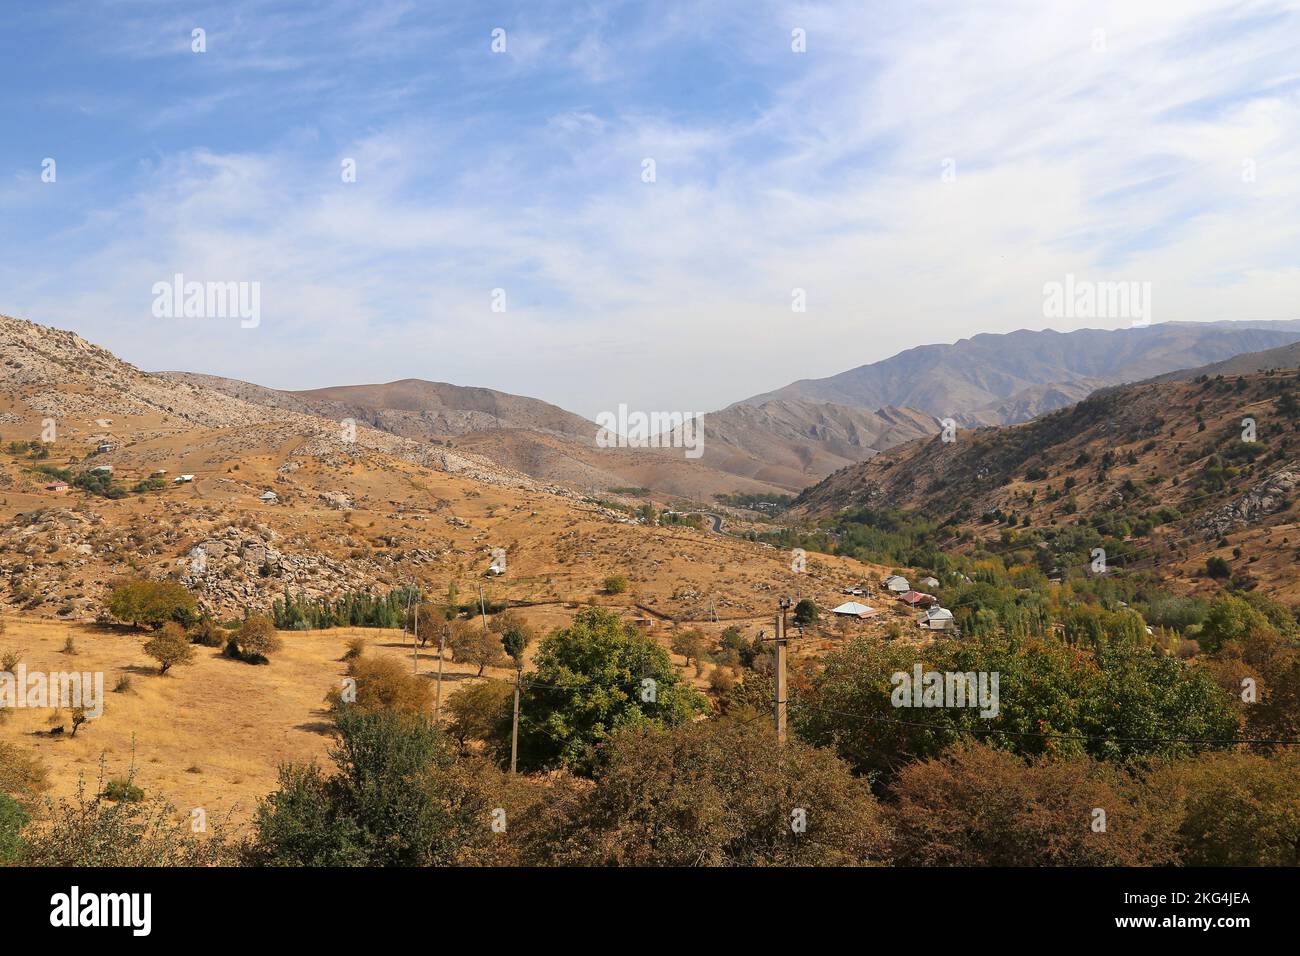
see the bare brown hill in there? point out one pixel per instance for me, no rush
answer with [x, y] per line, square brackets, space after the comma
[1007, 378]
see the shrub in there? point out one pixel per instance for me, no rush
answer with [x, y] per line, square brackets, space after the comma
[710, 794]
[208, 633]
[397, 798]
[384, 684]
[12, 820]
[257, 639]
[101, 832]
[170, 646]
[123, 789]
[616, 584]
[477, 709]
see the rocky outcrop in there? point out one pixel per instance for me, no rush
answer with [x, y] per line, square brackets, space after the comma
[1267, 497]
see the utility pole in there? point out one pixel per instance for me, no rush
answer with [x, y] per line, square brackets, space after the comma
[442, 650]
[780, 671]
[482, 607]
[514, 728]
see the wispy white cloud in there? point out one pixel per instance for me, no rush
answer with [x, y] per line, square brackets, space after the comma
[1112, 155]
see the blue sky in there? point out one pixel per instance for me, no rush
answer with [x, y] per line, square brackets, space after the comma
[1112, 155]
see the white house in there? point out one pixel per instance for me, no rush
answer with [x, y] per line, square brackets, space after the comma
[929, 582]
[270, 497]
[182, 479]
[854, 609]
[107, 469]
[936, 619]
[896, 583]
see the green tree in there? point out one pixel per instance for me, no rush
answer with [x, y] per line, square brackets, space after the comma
[593, 677]
[152, 603]
[805, 613]
[397, 798]
[1230, 618]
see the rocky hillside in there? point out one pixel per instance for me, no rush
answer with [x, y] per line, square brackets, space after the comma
[1004, 379]
[1172, 466]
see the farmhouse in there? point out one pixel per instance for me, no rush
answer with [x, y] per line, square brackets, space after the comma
[854, 609]
[270, 497]
[936, 619]
[182, 479]
[106, 469]
[57, 486]
[918, 598]
[896, 583]
[929, 582]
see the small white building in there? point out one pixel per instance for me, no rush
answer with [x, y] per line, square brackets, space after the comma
[896, 583]
[929, 582]
[106, 469]
[936, 619]
[270, 497]
[854, 609]
[182, 479]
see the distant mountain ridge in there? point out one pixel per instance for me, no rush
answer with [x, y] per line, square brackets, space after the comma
[999, 379]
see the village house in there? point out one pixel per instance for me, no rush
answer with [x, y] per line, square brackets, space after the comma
[929, 582]
[918, 599]
[896, 584]
[270, 497]
[854, 609]
[936, 619]
[57, 486]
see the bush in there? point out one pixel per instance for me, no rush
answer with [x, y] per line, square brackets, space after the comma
[616, 584]
[12, 820]
[257, 639]
[102, 832]
[123, 789]
[476, 710]
[208, 633]
[170, 646]
[397, 798]
[383, 684]
[977, 806]
[710, 794]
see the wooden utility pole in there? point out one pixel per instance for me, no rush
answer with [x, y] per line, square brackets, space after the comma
[780, 672]
[442, 651]
[415, 642]
[514, 729]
